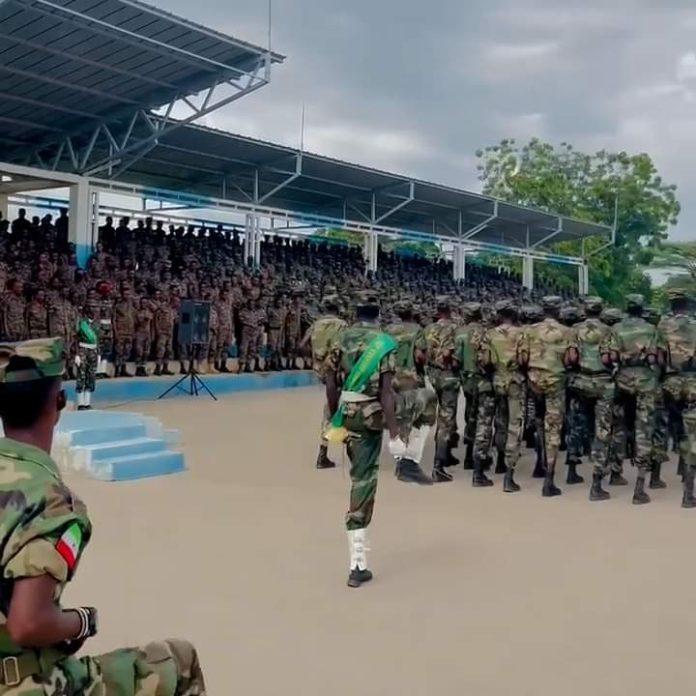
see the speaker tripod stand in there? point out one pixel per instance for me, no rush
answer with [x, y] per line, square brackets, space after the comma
[191, 384]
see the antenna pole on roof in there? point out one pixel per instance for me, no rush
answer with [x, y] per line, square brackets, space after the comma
[270, 23]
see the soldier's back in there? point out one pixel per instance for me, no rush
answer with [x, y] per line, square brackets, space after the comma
[546, 344]
[440, 339]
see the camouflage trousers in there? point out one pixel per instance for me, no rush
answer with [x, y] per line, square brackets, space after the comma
[248, 347]
[592, 393]
[503, 406]
[414, 408]
[681, 389]
[660, 437]
[325, 419]
[446, 386]
[167, 668]
[637, 388]
[143, 345]
[274, 343]
[123, 347]
[224, 341]
[86, 370]
[471, 407]
[163, 348]
[549, 393]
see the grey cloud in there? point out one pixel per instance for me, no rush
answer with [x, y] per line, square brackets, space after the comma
[418, 87]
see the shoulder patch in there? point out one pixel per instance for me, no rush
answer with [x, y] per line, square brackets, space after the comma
[69, 545]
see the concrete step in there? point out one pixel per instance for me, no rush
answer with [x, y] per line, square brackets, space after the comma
[107, 433]
[83, 457]
[138, 466]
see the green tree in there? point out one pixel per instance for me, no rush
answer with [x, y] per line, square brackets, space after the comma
[562, 180]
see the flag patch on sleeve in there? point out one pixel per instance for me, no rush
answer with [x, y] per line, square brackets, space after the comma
[69, 545]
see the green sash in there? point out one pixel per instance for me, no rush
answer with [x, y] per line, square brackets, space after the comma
[363, 370]
[86, 333]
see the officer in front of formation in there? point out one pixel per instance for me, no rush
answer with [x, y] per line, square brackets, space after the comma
[44, 529]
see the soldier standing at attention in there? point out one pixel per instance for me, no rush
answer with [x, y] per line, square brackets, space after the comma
[144, 332]
[37, 316]
[249, 319]
[546, 352]
[213, 332]
[499, 354]
[637, 346]
[293, 330]
[124, 330]
[47, 529]
[164, 335]
[592, 389]
[323, 336]
[469, 336]
[62, 323]
[363, 361]
[86, 357]
[106, 329]
[224, 337]
[679, 331]
[438, 343]
[14, 327]
[276, 322]
[261, 320]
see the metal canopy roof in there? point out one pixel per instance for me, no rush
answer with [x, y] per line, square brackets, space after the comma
[206, 162]
[68, 65]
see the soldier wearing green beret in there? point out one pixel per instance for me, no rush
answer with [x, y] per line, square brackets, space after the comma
[44, 529]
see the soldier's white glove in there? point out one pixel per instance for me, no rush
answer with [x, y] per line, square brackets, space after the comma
[397, 447]
[78, 361]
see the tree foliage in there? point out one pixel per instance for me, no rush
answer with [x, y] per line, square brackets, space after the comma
[563, 180]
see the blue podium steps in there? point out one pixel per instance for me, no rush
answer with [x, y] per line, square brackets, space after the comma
[112, 446]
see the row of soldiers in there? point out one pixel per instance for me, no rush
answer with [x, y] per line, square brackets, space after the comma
[609, 384]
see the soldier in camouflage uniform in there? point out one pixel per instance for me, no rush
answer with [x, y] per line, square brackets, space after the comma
[124, 330]
[367, 413]
[323, 335]
[636, 346]
[144, 331]
[165, 318]
[546, 351]
[276, 322]
[293, 330]
[468, 339]
[43, 533]
[592, 389]
[106, 329]
[37, 316]
[438, 343]
[249, 319]
[409, 385]
[14, 326]
[498, 354]
[86, 358]
[679, 332]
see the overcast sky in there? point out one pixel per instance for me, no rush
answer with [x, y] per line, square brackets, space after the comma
[417, 86]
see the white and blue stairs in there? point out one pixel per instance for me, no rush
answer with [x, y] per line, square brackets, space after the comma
[115, 446]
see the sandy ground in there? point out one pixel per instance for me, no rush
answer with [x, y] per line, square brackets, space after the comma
[475, 591]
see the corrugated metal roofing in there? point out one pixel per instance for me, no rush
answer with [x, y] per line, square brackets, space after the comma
[67, 64]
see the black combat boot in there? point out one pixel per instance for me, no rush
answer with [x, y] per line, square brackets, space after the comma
[440, 473]
[500, 466]
[223, 367]
[454, 440]
[182, 369]
[509, 485]
[640, 497]
[357, 577]
[451, 459]
[323, 461]
[539, 468]
[616, 479]
[158, 370]
[469, 457]
[479, 478]
[166, 371]
[409, 471]
[573, 476]
[655, 480]
[140, 371]
[550, 489]
[596, 491]
[688, 501]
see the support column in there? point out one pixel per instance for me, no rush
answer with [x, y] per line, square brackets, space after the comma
[94, 217]
[371, 250]
[79, 227]
[459, 262]
[4, 206]
[528, 272]
[252, 240]
[584, 279]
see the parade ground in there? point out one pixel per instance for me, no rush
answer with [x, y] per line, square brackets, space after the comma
[475, 591]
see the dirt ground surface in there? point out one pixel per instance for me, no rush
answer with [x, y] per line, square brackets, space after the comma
[475, 591]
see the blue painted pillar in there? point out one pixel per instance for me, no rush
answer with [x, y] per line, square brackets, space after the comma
[80, 227]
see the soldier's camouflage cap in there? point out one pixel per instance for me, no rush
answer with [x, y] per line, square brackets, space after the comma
[366, 297]
[504, 306]
[330, 301]
[635, 300]
[677, 294]
[593, 303]
[551, 302]
[443, 301]
[532, 312]
[48, 355]
[469, 308]
[403, 306]
[611, 315]
[569, 313]
[652, 316]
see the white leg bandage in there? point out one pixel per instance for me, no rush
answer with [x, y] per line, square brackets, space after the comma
[86, 398]
[357, 543]
[416, 443]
